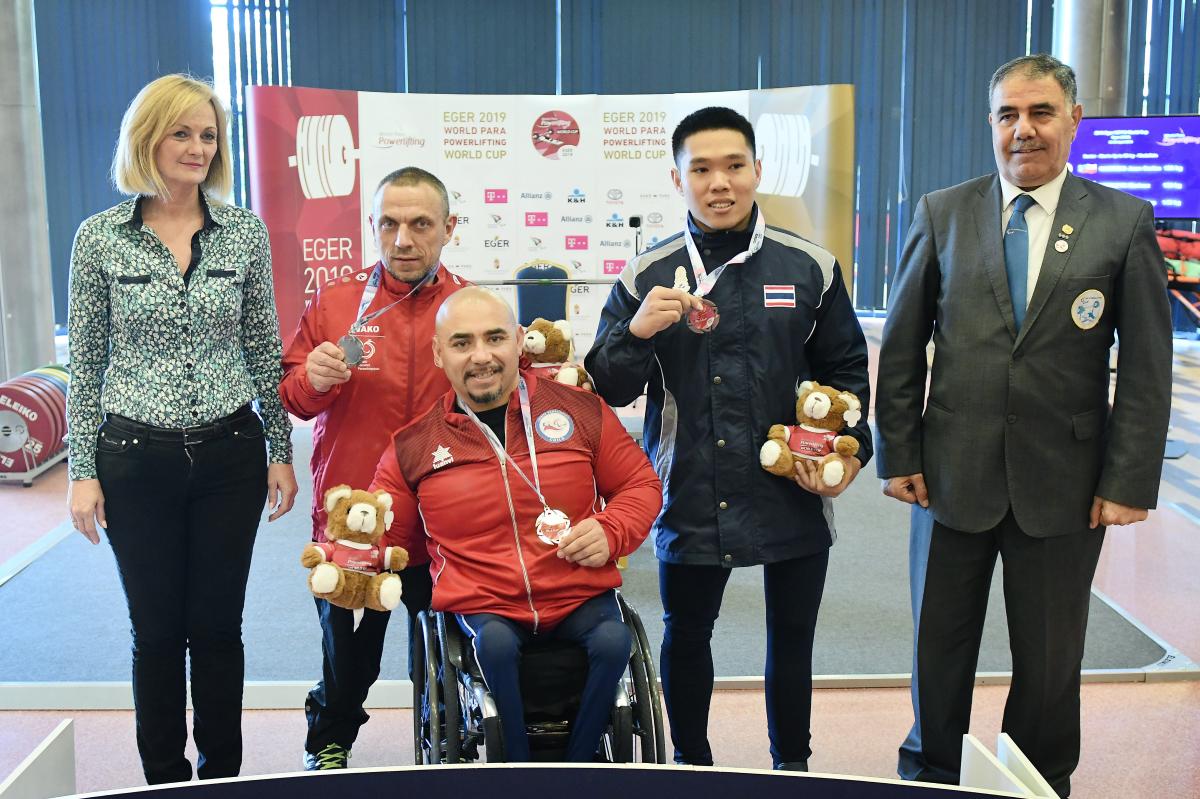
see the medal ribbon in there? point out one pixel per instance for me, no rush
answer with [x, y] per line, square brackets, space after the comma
[498, 447]
[705, 280]
[369, 294]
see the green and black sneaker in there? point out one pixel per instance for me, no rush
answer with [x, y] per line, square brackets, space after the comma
[333, 756]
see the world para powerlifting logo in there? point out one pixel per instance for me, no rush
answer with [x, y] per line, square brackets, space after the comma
[555, 134]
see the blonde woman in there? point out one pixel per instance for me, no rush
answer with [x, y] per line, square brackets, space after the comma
[173, 340]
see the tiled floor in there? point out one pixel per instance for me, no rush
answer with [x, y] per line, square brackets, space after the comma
[1139, 739]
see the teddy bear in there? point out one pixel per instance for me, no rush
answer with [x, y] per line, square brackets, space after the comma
[548, 345]
[821, 412]
[346, 567]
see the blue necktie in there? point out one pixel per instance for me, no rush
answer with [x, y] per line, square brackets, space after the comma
[1016, 256]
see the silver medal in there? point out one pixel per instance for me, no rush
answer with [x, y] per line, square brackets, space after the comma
[352, 348]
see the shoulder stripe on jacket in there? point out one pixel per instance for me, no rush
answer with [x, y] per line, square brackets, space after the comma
[647, 258]
[822, 256]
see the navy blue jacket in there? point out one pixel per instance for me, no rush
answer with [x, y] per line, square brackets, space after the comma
[711, 398]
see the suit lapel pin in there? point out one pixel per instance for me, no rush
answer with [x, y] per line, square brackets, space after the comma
[1060, 245]
[1068, 230]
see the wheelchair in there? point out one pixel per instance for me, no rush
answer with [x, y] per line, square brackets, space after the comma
[455, 718]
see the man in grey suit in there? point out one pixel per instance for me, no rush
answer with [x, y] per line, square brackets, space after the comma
[1022, 279]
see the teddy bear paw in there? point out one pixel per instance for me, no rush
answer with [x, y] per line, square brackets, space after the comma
[832, 473]
[324, 578]
[389, 592]
[768, 456]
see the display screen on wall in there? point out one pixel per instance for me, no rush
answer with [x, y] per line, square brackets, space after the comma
[1154, 158]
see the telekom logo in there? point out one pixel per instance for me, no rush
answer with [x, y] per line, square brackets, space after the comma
[536, 219]
[577, 242]
[614, 266]
[495, 195]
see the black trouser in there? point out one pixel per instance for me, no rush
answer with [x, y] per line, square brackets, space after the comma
[182, 521]
[691, 598]
[351, 660]
[1047, 592]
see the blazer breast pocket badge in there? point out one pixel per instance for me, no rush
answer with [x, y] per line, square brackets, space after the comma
[1087, 308]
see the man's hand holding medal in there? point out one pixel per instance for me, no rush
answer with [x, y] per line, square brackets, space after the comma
[664, 307]
[326, 367]
[586, 544]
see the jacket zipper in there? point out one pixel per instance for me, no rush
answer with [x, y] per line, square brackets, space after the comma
[517, 537]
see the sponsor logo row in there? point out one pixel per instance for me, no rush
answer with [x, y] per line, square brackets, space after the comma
[574, 197]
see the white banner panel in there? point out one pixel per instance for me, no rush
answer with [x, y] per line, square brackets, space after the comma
[533, 179]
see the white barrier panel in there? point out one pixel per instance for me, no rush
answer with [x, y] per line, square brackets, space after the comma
[48, 771]
[981, 769]
[1015, 761]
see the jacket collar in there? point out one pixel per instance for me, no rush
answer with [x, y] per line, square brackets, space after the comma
[130, 213]
[721, 239]
[399, 288]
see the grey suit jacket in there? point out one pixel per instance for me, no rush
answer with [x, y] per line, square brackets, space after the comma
[1024, 420]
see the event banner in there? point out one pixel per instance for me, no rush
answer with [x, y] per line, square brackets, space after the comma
[534, 179]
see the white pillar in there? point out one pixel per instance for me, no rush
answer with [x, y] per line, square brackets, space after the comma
[26, 300]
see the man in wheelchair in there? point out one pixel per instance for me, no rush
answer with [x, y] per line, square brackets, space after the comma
[529, 491]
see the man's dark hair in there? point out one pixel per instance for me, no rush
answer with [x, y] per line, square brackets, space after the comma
[714, 117]
[412, 176]
[1035, 66]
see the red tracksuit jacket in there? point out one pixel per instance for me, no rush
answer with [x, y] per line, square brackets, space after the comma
[395, 382]
[479, 527]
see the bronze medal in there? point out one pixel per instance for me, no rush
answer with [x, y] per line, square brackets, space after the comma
[704, 319]
[551, 526]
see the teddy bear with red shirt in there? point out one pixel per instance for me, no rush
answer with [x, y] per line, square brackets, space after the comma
[822, 413]
[350, 568]
[547, 347]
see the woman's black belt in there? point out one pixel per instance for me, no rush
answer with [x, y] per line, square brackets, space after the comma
[198, 434]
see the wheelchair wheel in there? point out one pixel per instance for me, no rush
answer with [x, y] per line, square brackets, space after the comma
[644, 698]
[418, 692]
[427, 713]
[452, 717]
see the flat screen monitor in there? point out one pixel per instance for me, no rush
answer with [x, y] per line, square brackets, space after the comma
[1154, 158]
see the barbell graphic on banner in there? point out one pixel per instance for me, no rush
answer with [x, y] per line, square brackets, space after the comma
[785, 146]
[325, 156]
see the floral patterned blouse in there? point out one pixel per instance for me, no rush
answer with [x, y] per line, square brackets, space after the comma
[147, 345]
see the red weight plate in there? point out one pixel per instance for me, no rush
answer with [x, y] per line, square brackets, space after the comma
[55, 406]
[23, 408]
[58, 400]
[56, 424]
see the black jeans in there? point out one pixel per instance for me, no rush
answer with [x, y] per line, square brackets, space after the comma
[182, 521]
[351, 660]
[691, 598]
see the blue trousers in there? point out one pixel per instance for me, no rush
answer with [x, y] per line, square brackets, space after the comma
[691, 598]
[597, 626]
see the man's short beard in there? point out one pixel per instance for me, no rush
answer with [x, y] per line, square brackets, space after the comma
[485, 399]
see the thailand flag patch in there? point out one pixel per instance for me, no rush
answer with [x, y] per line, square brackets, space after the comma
[779, 296]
